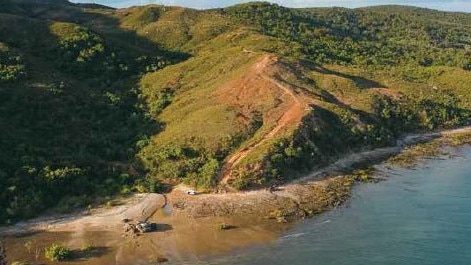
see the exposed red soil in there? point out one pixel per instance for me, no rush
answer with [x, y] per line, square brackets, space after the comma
[250, 92]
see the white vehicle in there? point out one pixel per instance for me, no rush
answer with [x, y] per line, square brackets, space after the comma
[191, 192]
[145, 227]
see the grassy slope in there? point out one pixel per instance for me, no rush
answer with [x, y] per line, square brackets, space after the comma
[200, 116]
[346, 92]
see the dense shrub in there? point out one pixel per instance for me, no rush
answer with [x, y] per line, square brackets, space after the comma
[12, 67]
[75, 136]
[434, 109]
[57, 253]
[84, 52]
[360, 37]
[81, 51]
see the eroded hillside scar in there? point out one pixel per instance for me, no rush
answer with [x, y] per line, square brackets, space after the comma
[296, 106]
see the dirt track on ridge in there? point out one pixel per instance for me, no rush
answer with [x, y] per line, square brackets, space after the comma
[293, 112]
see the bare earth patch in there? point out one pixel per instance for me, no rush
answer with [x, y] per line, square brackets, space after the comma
[244, 92]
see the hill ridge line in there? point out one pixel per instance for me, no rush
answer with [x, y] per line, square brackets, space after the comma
[295, 112]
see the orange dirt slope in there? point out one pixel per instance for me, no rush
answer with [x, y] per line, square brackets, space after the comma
[267, 79]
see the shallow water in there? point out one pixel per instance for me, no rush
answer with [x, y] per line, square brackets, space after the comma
[416, 217]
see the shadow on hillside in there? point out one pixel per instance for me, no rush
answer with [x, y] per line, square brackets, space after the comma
[99, 19]
[334, 137]
[76, 126]
[328, 97]
[327, 136]
[359, 81]
[89, 253]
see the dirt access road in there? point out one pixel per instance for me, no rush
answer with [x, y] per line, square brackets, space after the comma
[295, 107]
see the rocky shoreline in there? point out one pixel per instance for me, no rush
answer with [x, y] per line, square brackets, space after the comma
[313, 194]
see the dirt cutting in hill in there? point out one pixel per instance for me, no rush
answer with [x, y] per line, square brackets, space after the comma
[292, 107]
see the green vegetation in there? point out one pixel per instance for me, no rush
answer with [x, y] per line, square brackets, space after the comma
[12, 67]
[435, 110]
[72, 123]
[383, 37]
[96, 102]
[57, 253]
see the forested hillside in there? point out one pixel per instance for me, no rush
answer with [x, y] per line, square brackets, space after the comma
[382, 36]
[97, 102]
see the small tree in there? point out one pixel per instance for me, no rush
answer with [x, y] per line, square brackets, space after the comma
[3, 255]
